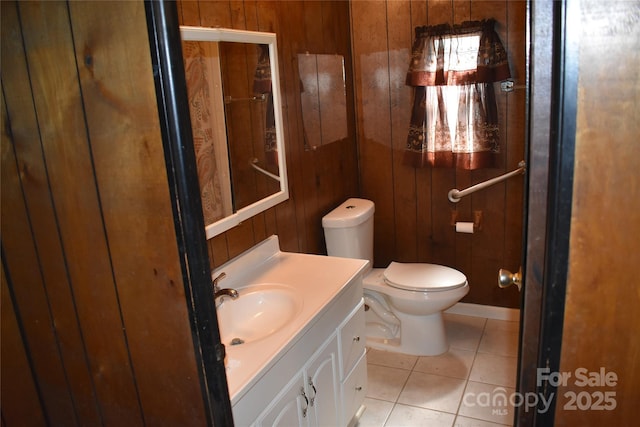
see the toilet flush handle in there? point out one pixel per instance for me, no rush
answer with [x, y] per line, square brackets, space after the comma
[507, 278]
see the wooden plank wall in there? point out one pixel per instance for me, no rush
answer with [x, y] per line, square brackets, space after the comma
[318, 180]
[95, 328]
[413, 214]
[601, 314]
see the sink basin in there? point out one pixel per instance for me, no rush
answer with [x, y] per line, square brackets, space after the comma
[259, 311]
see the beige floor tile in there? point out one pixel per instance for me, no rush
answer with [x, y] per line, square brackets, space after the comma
[464, 332]
[487, 402]
[502, 325]
[470, 422]
[495, 341]
[433, 392]
[376, 413]
[385, 383]
[494, 369]
[390, 359]
[404, 416]
[469, 380]
[454, 363]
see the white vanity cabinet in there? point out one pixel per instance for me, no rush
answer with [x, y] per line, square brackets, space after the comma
[353, 363]
[321, 379]
[311, 396]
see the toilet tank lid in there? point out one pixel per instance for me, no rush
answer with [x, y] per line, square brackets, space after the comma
[351, 212]
[423, 277]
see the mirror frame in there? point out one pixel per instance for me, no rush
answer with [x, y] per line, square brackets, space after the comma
[189, 33]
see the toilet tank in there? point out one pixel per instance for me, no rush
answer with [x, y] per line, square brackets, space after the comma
[348, 230]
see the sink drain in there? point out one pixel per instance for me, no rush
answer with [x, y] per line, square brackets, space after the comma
[237, 341]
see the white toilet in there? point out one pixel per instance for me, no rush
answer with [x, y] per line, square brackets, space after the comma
[403, 302]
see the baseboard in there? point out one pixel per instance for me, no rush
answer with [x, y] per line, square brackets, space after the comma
[488, 311]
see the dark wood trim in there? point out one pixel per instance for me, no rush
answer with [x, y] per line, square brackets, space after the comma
[171, 90]
[561, 162]
[540, 59]
[553, 82]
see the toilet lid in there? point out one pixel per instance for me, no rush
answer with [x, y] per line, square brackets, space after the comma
[423, 277]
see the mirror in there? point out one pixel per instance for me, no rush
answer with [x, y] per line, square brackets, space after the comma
[236, 118]
[323, 99]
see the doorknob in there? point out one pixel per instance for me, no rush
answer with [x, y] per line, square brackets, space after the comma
[507, 278]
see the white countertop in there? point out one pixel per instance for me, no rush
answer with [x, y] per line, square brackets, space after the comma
[318, 279]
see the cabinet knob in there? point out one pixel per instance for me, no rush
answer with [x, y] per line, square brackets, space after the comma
[359, 388]
[356, 339]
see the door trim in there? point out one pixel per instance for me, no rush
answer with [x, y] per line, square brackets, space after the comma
[552, 115]
[175, 125]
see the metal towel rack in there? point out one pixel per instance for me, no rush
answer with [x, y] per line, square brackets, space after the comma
[254, 164]
[455, 195]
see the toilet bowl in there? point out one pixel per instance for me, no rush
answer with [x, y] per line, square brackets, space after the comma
[403, 302]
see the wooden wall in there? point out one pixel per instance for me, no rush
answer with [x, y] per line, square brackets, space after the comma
[413, 214]
[95, 328]
[318, 180]
[601, 314]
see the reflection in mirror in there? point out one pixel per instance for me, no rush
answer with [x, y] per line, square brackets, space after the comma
[323, 98]
[202, 71]
[234, 102]
[248, 108]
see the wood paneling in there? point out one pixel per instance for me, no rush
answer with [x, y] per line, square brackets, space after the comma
[21, 405]
[29, 227]
[89, 247]
[602, 298]
[77, 204]
[413, 214]
[320, 179]
[89, 250]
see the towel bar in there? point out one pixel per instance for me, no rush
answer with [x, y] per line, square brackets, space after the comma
[455, 195]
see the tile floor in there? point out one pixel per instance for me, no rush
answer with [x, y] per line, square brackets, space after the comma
[461, 388]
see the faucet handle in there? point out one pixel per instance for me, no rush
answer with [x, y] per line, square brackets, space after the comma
[219, 277]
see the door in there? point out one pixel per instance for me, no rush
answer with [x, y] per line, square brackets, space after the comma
[322, 385]
[310, 398]
[582, 268]
[290, 408]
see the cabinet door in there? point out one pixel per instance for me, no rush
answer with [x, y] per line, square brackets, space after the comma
[289, 408]
[322, 385]
[351, 337]
[354, 389]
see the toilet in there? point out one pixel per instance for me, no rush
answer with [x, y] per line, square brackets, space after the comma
[403, 302]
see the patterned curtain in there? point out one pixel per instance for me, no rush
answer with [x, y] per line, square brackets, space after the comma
[198, 76]
[454, 121]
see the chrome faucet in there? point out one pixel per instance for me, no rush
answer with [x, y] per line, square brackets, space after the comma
[227, 292]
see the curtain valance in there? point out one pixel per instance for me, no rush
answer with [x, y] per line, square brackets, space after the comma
[445, 54]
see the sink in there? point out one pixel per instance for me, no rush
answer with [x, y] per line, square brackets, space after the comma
[259, 311]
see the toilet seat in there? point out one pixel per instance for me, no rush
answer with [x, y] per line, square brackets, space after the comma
[423, 277]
